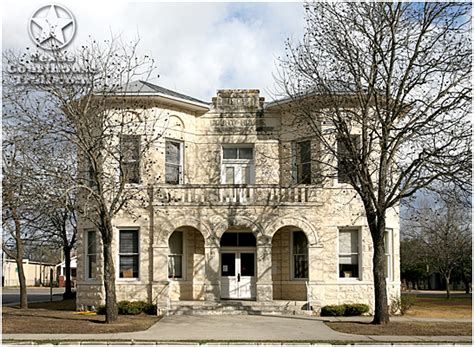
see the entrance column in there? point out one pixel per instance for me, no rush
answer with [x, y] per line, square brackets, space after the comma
[212, 285]
[160, 282]
[264, 269]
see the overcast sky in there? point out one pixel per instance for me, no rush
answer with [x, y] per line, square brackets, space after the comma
[199, 47]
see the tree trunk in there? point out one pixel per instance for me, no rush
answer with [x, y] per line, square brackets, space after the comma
[22, 280]
[448, 291]
[19, 262]
[111, 308]
[381, 315]
[67, 264]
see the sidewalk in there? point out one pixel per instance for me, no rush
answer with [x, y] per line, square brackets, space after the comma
[237, 329]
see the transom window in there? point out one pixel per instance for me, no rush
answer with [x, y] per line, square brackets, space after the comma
[349, 253]
[232, 239]
[128, 254]
[300, 255]
[237, 153]
[175, 258]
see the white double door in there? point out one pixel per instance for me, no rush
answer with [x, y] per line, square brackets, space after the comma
[238, 270]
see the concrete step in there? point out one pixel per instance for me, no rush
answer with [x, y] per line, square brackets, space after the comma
[238, 307]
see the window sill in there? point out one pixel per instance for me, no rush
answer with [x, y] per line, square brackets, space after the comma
[128, 280]
[349, 279]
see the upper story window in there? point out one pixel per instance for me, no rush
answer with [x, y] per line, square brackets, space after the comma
[349, 253]
[237, 165]
[301, 162]
[173, 162]
[130, 158]
[344, 159]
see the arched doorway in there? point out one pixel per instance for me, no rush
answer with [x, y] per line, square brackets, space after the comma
[238, 265]
[290, 266]
[186, 264]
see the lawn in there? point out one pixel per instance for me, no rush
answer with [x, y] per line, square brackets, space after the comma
[61, 317]
[404, 328]
[437, 306]
[433, 305]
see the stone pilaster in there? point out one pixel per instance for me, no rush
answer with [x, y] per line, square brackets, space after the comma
[212, 285]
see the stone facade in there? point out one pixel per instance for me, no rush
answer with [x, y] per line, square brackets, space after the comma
[270, 206]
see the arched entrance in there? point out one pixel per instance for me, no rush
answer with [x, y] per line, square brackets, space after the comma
[238, 265]
[186, 264]
[290, 266]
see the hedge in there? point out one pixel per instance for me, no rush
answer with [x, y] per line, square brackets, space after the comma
[131, 308]
[344, 310]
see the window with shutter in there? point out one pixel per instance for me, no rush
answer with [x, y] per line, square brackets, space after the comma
[345, 159]
[128, 254]
[348, 253]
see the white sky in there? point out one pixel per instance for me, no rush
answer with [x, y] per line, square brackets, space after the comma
[199, 47]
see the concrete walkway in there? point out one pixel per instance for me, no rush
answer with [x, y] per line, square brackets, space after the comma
[234, 329]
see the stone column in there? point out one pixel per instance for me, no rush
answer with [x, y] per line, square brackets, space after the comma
[161, 290]
[316, 276]
[212, 285]
[264, 270]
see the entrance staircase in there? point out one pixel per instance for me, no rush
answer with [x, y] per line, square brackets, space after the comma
[239, 307]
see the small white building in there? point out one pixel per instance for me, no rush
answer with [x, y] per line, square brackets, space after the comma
[36, 273]
[61, 272]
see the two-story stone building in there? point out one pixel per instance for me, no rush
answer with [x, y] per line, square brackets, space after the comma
[238, 213]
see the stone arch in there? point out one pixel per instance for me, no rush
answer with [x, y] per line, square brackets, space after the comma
[300, 223]
[169, 226]
[175, 122]
[247, 222]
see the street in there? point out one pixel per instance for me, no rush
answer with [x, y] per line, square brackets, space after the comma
[11, 296]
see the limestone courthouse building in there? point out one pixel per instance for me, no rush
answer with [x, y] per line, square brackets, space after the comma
[237, 219]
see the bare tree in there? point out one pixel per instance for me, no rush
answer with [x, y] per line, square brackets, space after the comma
[385, 88]
[443, 231]
[110, 128]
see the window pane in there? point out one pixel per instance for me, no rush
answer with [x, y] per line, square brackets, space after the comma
[229, 239]
[130, 147]
[230, 153]
[129, 266]
[245, 153]
[175, 266]
[128, 242]
[172, 174]
[305, 176]
[229, 175]
[131, 172]
[300, 266]
[349, 266]
[348, 241]
[172, 154]
[91, 266]
[176, 242]
[305, 151]
[246, 240]
[245, 175]
[228, 264]
[91, 243]
[300, 243]
[247, 264]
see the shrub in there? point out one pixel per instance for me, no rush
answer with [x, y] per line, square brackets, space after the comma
[332, 310]
[344, 310]
[131, 308]
[355, 309]
[402, 304]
